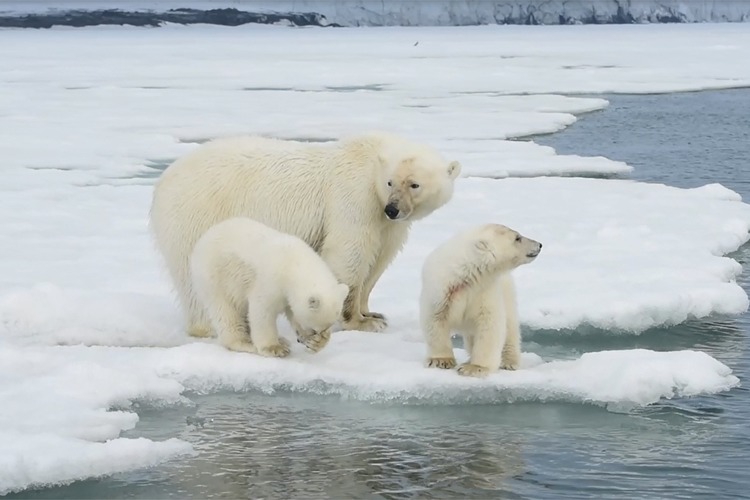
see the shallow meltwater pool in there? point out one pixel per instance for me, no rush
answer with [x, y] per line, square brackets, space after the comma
[285, 445]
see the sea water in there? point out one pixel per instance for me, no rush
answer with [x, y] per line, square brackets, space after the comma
[301, 446]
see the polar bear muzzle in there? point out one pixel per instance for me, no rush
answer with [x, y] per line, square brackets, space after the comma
[400, 205]
[392, 211]
[532, 248]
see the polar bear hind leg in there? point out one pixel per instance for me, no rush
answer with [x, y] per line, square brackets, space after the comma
[487, 334]
[230, 325]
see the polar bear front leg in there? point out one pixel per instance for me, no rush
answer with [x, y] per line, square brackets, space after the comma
[391, 243]
[314, 341]
[375, 273]
[197, 319]
[353, 317]
[263, 330]
[345, 261]
[511, 357]
[298, 330]
[364, 298]
[439, 346]
[317, 340]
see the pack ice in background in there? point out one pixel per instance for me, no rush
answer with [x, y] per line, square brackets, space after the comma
[89, 328]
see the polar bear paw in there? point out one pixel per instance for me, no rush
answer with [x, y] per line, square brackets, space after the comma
[367, 322]
[512, 364]
[444, 363]
[200, 331]
[241, 346]
[315, 341]
[470, 370]
[511, 358]
[278, 350]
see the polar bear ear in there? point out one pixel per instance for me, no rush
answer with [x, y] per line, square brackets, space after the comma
[313, 302]
[385, 162]
[454, 168]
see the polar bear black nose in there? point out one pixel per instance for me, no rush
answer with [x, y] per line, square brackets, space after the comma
[391, 210]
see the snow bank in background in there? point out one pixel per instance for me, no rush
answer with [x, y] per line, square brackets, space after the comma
[69, 434]
[420, 13]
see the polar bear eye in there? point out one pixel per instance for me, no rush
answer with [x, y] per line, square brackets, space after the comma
[518, 239]
[390, 184]
[415, 186]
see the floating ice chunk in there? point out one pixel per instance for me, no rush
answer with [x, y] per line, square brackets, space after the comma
[717, 191]
[49, 460]
[500, 158]
[57, 424]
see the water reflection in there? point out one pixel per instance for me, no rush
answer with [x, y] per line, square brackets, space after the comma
[291, 448]
[287, 446]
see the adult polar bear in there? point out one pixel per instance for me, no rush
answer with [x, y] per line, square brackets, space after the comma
[352, 201]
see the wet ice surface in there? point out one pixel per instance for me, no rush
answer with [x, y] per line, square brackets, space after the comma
[75, 194]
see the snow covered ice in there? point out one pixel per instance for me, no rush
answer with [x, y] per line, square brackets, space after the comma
[88, 325]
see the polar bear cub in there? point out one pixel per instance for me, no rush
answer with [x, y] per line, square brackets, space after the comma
[467, 287]
[245, 274]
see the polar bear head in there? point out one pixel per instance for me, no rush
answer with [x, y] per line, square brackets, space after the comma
[503, 248]
[318, 307]
[414, 179]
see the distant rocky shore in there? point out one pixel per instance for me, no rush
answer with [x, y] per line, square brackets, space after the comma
[224, 17]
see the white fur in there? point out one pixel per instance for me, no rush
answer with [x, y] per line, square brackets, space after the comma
[332, 196]
[467, 287]
[245, 274]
